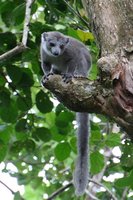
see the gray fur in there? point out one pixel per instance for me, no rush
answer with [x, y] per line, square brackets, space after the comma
[65, 55]
[73, 59]
[81, 171]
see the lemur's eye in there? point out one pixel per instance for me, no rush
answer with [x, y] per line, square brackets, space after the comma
[52, 44]
[61, 46]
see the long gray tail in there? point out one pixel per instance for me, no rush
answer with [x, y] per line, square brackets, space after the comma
[81, 172]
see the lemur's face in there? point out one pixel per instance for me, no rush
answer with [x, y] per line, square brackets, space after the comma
[54, 43]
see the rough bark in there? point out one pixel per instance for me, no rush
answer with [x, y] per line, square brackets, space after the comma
[112, 94]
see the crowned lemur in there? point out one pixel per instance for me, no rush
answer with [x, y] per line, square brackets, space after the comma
[67, 56]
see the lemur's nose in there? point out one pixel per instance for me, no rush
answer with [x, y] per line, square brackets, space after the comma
[55, 53]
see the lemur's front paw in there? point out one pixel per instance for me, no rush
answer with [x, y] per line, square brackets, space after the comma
[79, 76]
[66, 78]
[45, 78]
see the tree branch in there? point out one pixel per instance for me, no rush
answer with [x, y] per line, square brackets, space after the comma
[82, 95]
[60, 190]
[125, 192]
[18, 49]
[101, 185]
[7, 187]
[27, 21]
[91, 196]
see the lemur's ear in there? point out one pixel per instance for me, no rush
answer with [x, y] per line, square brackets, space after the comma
[44, 35]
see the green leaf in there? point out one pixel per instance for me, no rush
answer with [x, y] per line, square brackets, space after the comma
[24, 103]
[73, 144]
[95, 126]
[17, 196]
[93, 72]
[127, 155]
[84, 36]
[22, 135]
[125, 181]
[64, 118]
[15, 73]
[2, 81]
[16, 147]
[95, 133]
[5, 6]
[18, 14]
[73, 33]
[3, 150]
[64, 130]
[96, 162]
[26, 80]
[113, 140]
[95, 136]
[42, 133]
[7, 16]
[9, 114]
[34, 8]
[30, 53]
[5, 133]
[4, 98]
[21, 125]
[30, 193]
[36, 28]
[43, 102]
[7, 40]
[62, 151]
[60, 108]
[23, 179]
[60, 5]
[29, 145]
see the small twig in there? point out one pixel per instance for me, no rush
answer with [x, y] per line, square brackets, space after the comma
[60, 190]
[26, 21]
[64, 170]
[124, 195]
[33, 163]
[7, 187]
[91, 195]
[101, 185]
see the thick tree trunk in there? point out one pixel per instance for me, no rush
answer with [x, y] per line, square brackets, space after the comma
[112, 25]
[112, 94]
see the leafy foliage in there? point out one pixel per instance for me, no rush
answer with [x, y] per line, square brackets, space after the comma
[37, 134]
